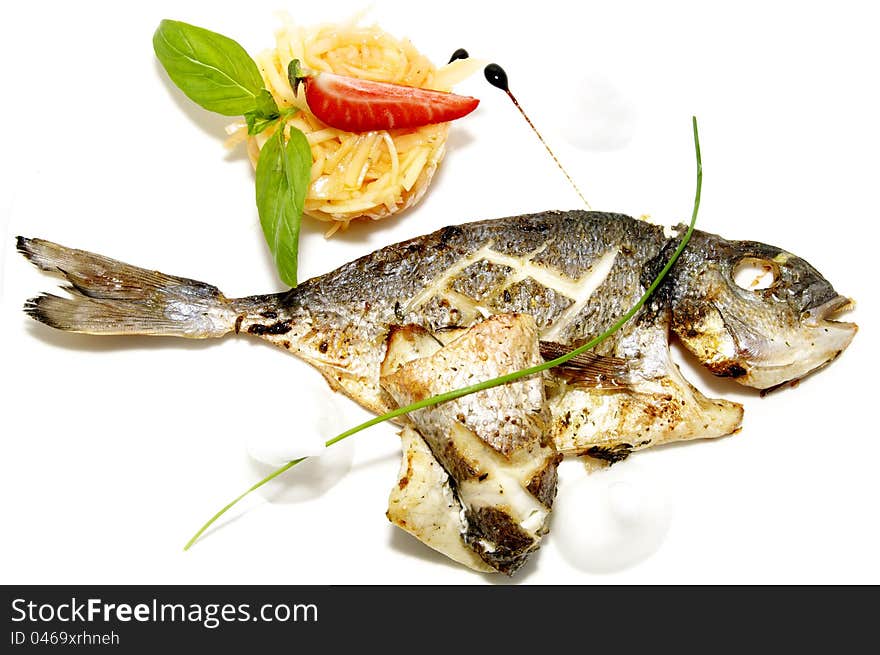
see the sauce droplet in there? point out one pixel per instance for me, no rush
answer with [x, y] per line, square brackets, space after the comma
[461, 53]
[497, 77]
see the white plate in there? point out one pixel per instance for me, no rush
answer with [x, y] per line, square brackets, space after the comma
[115, 450]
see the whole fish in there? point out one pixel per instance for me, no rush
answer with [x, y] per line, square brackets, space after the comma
[573, 272]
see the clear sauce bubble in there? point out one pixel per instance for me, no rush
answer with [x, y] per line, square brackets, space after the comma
[596, 115]
[611, 519]
[316, 414]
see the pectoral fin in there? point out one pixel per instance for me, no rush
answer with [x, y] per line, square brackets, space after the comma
[653, 405]
[588, 369]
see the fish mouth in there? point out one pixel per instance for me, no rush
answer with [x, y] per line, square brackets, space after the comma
[823, 340]
[829, 313]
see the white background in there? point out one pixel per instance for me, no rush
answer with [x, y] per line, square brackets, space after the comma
[114, 450]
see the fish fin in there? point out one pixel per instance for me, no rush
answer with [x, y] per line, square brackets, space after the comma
[111, 297]
[609, 454]
[657, 406]
[588, 369]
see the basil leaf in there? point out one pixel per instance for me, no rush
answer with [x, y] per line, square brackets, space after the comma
[211, 69]
[265, 105]
[256, 123]
[283, 176]
[264, 115]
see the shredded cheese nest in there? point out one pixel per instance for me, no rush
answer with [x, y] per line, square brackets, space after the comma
[356, 175]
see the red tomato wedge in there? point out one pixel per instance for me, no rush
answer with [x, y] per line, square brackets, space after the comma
[355, 105]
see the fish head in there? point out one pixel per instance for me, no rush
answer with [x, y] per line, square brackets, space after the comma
[760, 335]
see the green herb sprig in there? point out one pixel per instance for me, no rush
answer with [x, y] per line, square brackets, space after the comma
[213, 71]
[283, 175]
[504, 379]
[216, 73]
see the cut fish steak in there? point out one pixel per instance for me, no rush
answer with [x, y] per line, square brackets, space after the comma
[493, 445]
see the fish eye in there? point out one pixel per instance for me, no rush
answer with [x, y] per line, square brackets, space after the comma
[755, 273]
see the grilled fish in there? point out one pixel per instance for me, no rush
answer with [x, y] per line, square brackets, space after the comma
[573, 272]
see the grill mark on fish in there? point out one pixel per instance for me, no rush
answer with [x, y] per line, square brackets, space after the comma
[543, 484]
[281, 327]
[587, 286]
[501, 541]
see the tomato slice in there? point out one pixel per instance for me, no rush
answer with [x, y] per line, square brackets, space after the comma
[356, 105]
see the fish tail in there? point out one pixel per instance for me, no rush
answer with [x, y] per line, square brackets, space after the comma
[111, 297]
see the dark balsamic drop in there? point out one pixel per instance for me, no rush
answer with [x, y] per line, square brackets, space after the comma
[461, 53]
[496, 76]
